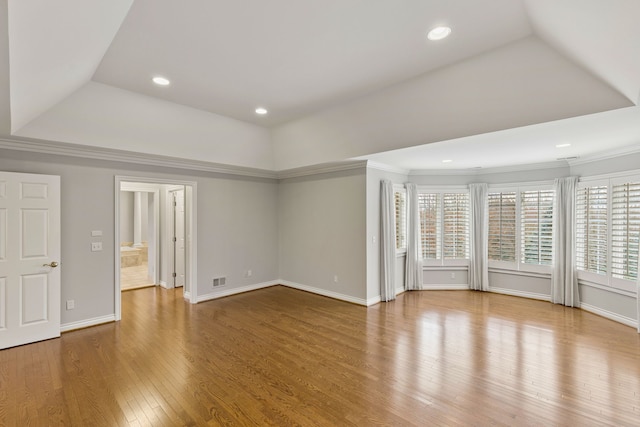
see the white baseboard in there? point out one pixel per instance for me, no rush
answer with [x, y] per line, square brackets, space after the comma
[609, 315]
[88, 322]
[324, 292]
[233, 291]
[522, 294]
[444, 287]
[163, 284]
[373, 301]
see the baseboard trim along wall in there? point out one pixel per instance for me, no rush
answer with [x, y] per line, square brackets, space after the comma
[87, 323]
[609, 315]
[522, 294]
[234, 291]
[324, 292]
[444, 287]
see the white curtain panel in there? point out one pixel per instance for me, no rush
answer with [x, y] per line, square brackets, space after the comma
[479, 233]
[387, 242]
[564, 281]
[413, 272]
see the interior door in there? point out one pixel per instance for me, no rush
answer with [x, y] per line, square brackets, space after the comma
[29, 257]
[179, 237]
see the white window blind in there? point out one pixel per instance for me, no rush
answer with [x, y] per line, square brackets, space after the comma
[456, 225]
[401, 219]
[625, 230]
[591, 229]
[536, 221]
[429, 205]
[502, 226]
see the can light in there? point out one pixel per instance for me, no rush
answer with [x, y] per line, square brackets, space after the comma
[262, 111]
[161, 81]
[438, 33]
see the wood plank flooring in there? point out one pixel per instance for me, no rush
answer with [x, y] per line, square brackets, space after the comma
[284, 357]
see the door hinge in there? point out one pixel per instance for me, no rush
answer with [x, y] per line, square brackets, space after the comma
[175, 239]
[174, 274]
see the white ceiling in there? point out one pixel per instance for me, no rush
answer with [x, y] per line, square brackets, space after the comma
[329, 72]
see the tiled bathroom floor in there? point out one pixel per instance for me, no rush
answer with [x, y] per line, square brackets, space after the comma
[134, 277]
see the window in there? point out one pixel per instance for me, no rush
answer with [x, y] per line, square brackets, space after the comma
[502, 226]
[536, 222]
[400, 200]
[429, 205]
[625, 230]
[591, 229]
[456, 226]
[444, 225]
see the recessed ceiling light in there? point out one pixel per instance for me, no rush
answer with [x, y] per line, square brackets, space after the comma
[439, 33]
[161, 81]
[261, 111]
[563, 145]
[447, 161]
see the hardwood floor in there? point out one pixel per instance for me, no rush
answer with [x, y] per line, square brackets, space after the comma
[283, 357]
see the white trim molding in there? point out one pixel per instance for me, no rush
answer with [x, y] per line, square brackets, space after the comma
[444, 287]
[114, 155]
[81, 324]
[522, 294]
[324, 292]
[321, 168]
[234, 291]
[609, 315]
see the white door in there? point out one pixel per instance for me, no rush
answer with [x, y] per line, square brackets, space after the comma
[178, 225]
[29, 257]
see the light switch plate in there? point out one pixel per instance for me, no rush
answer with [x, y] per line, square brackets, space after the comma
[96, 246]
[96, 233]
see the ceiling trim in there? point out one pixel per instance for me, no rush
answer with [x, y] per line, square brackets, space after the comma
[387, 168]
[109, 154]
[322, 168]
[609, 154]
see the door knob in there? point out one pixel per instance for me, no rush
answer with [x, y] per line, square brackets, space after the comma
[52, 265]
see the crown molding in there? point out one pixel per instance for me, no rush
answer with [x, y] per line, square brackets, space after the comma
[387, 168]
[321, 168]
[605, 155]
[114, 155]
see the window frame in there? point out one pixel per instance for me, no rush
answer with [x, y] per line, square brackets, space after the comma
[441, 191]
[607, 280]
[518, 265]
[502, 264]
[400, 189]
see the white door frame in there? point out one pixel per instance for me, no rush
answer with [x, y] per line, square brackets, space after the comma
[191, 255]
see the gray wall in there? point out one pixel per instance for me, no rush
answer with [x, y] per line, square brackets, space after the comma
[237, 226]
[323, 231]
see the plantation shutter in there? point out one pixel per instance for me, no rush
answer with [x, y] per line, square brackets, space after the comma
[401, 219]
[591, 229]
[625, 230]
[456, 225]
[502, 226]
[429, 225]
[536, 219]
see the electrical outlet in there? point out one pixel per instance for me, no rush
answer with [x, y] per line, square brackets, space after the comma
[219, 281]
[453, 275]
[71, 304]
[249, 273]
[335, 279]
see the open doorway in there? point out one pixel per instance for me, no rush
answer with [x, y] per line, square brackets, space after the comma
[139, 215]
[155, 235]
